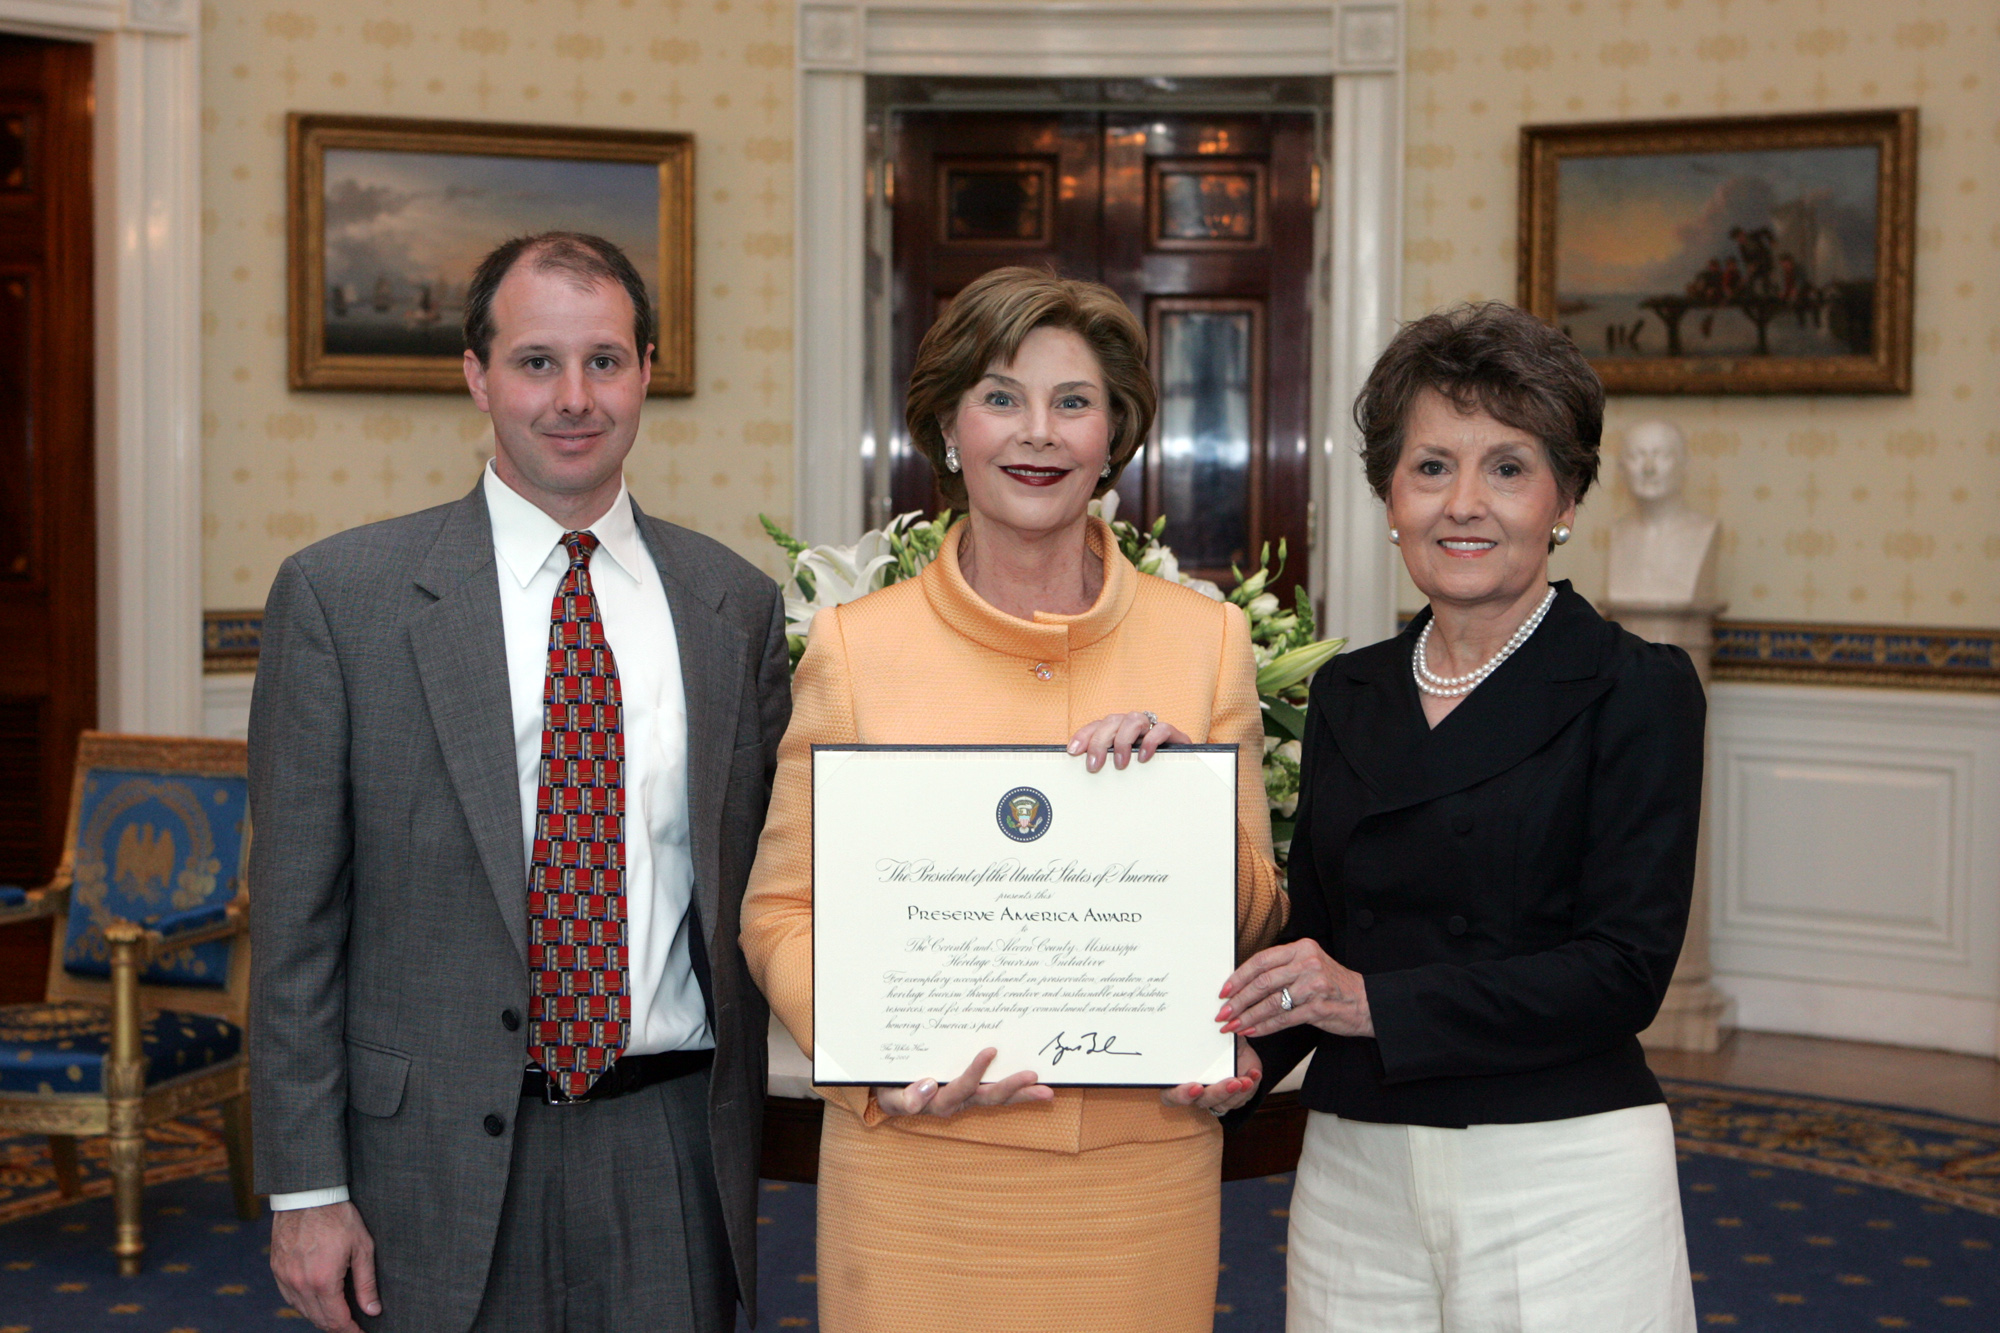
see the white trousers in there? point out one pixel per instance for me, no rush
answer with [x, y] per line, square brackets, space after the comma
[1566, 1226]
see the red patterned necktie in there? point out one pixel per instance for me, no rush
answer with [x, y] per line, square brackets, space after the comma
[580, 1011]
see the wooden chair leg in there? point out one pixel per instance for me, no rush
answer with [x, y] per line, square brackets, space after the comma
[62, 1152]
[236, 1137]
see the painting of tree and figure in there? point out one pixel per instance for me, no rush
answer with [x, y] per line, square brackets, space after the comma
[1677, 264]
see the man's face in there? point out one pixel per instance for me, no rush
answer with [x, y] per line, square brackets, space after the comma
[1654, 458]
[563, 384]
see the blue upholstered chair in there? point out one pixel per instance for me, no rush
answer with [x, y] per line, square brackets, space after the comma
[149, 974]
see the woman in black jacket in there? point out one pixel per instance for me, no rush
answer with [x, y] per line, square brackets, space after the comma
[1489, 881]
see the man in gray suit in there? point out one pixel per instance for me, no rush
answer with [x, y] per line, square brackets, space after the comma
[509, 759]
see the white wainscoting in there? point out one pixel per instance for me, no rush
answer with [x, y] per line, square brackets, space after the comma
[225, 704]
[1855, 844]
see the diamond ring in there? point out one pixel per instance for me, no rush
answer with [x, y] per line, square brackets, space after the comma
[1285, 998]
[1152, 718]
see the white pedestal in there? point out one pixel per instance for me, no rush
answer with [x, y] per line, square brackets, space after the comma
[1695, 1016]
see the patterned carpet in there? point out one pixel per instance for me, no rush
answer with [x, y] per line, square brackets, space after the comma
[1804, 1215]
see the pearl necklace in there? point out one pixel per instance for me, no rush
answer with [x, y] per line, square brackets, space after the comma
[1450, 687]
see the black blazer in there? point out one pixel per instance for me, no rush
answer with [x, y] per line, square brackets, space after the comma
[1514, 885]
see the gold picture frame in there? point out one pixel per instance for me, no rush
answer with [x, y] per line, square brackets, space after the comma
[416, 203]
[1746, 254]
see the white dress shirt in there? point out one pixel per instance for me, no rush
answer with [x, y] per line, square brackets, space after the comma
[667, 1009]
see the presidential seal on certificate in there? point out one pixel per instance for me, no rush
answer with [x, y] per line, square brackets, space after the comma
[975, 896]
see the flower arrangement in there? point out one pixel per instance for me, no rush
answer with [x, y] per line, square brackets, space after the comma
[1287, 651]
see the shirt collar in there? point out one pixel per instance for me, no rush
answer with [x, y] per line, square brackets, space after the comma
[524, 536]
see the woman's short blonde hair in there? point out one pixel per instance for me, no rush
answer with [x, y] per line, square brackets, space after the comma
[985, 325]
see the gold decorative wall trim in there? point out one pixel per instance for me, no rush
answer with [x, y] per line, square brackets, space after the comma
[230, 639]
[1793, 652]
[1895, 656]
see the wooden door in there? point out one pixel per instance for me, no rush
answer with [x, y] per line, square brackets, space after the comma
[1204, 225]
[48, 580]
[975, 192]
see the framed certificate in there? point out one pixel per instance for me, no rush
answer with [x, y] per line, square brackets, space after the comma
[975, 896]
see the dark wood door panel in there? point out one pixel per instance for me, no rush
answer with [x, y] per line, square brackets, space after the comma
[48, 612]
[976, 192]
[1207, 214]
[1203, 224]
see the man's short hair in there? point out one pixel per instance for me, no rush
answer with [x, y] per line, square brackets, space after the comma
[590, 260]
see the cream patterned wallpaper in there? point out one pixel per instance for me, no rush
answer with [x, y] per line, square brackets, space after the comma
[1882, 510]
[1879, 510]
[283, 468]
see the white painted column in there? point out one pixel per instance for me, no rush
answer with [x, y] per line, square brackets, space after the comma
[1356, 566]
[829, 405]
[149, 379]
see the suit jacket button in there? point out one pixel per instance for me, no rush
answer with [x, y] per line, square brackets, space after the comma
[510, 1020]
[1364, 918]
[495, 1126]
[1456, 925]
[1461, 824]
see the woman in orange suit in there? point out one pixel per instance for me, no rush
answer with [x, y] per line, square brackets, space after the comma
[1053, 1209]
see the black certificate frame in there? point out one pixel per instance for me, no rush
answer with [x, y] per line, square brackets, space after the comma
[859, 747]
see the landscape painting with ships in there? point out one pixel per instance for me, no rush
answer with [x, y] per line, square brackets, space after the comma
[1723, 254]
[405, 230]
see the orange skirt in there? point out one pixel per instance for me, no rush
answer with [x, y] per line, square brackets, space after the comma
[913, 1228]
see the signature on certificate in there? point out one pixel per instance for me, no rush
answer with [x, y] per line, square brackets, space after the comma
[1086, 1043]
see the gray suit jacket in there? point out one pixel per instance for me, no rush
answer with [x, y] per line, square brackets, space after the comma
[390, 926]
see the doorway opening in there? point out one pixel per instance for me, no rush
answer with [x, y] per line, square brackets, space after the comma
[1198, 201]
[48, 531]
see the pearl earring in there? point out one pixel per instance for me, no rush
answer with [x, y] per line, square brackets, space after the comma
[1561, 533]
[951, 458]
[1395, 537]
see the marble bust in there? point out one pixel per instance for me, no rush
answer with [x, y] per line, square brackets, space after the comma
[1662, 556]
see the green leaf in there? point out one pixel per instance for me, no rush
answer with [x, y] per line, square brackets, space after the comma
[1281, 833]
[1289, 669]
[1286, 721]
[791, 545]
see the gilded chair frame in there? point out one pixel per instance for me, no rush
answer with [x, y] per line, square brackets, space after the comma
[125, 1105]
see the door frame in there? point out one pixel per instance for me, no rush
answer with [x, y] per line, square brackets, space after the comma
[1357, 44]
[147, 255]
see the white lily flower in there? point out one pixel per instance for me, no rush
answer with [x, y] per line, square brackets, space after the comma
[1263, 604]
[1105, 507]
[1170, 570]
[839, 574]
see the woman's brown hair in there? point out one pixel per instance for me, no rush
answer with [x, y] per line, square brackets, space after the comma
[1492, 358]
[985, 326]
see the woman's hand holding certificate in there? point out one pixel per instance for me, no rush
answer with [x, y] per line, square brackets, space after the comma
[1103, 935]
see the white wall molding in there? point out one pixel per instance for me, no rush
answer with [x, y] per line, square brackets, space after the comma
[225, 704]
[1865, 1013]
[1856, 862]
[1358, 45]
[147, 186]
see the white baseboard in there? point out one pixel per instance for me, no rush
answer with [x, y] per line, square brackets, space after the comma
[1864, 1013]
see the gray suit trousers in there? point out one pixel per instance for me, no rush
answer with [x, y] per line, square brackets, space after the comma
[612, 1223]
